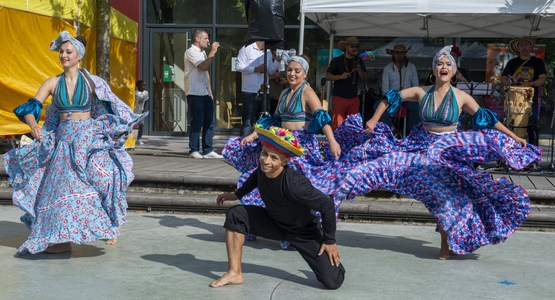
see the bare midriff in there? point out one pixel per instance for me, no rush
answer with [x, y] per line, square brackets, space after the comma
[294, 125]
[76, 116]
[440, 129]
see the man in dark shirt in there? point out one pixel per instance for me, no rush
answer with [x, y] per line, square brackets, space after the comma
[527, 71]
[345, 70]
[289, 215]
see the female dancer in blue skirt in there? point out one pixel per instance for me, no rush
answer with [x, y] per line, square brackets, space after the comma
[71, 181]
[434, 164]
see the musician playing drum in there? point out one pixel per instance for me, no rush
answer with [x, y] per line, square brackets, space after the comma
[526, 70]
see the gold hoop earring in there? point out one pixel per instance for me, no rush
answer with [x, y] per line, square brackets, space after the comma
[453, 83]
[431, 78]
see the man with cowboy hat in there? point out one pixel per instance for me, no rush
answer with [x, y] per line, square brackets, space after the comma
[289, 215]
[345, 70]
[400, 74]
[526, 70]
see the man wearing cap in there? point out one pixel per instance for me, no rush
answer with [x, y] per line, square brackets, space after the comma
[289, 215]
[345, 70]
[400, 74]
[527, 71]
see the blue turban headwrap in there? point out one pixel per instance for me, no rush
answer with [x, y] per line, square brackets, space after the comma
[64, 37]
[289, 56]
[301, 61]
[445, 52]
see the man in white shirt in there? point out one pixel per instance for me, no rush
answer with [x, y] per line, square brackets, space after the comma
[250, 62]
[199, 95]
[400, 74]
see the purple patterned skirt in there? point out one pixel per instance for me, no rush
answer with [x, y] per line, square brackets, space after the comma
[473, 209]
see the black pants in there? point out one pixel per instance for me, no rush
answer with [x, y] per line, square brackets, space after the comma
[256, 220]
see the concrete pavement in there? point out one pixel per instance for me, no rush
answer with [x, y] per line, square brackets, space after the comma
[176, 256]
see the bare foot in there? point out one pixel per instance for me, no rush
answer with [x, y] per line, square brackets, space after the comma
[112, 241]
[228, 278]
[442, 255]
[58, 248]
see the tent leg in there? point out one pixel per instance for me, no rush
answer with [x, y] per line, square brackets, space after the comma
[328, 83]
[301, 35]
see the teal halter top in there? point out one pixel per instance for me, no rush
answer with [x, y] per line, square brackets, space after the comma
[82, 95]
[447, 113]
[293, 111]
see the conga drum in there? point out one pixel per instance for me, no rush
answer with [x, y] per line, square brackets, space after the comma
[518, 107]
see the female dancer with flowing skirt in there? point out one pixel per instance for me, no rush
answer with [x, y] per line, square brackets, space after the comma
[434, 164]
[71, 181]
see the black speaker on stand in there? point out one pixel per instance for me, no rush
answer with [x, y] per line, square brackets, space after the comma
[266, 19]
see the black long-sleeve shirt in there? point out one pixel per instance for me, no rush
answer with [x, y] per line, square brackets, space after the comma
[291, 201]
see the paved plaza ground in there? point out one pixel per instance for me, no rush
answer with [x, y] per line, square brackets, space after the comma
[176, 256]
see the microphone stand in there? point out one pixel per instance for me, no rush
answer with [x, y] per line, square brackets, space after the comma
[551, 167]
[355, 63]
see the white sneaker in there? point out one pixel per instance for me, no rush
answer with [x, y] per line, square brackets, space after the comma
[213, 155]
[141, 142]
[196, 154]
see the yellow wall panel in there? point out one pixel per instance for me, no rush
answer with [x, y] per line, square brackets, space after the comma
[26, 62]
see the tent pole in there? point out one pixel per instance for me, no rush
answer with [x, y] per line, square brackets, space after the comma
[330, 56]
[301, 35]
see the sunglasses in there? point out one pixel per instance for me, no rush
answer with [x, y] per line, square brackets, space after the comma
[524, 46]
[353, 46]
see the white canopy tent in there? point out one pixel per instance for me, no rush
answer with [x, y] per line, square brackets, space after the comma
[432, 18]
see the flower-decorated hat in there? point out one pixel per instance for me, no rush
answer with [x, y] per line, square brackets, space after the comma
[280, 140]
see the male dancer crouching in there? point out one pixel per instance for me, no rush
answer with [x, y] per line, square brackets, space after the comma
[290, 202]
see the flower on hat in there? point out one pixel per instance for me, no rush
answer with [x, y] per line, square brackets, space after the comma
[280, 139]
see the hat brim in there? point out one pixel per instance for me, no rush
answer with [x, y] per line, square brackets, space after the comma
[513, 45]
[275, 143]
[342, 45]
[390, 51]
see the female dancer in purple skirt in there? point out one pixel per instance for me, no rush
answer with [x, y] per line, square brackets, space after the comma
[434, 164]
[71, 181]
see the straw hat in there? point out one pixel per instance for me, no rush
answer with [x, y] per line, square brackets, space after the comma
[280, 140]
[513, 45]
[352, 40]
[398, 47]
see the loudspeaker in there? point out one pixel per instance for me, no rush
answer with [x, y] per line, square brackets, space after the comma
[266, 20]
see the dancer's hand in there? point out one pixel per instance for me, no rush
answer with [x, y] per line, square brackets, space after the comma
[335, 149]
[333, 253]
[370, 125]
[249, 138]
[520, 141]
[36, 132]
[226, 197]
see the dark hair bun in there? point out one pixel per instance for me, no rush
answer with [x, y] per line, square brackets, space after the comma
[82, 40]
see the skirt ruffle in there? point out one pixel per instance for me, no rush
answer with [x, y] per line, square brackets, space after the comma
[71, 185]
[473, 209]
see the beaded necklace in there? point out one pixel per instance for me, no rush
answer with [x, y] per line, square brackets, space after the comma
[347, 68]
